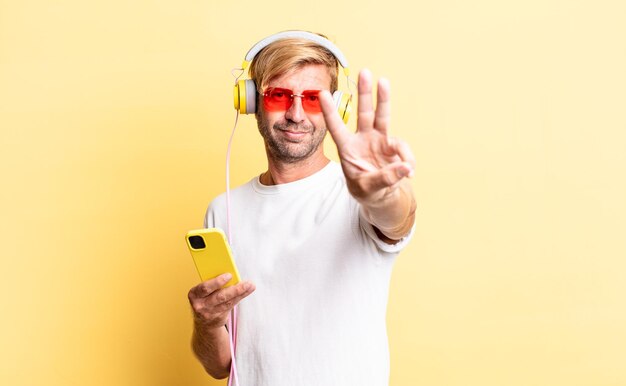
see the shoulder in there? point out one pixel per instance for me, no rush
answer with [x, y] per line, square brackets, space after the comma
[217, 208]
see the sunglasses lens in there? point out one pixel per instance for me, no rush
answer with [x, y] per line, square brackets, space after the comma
[311, 101]
[281, 99]
[277, 99]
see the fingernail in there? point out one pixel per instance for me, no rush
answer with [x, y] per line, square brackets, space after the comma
[227, 277]
[401, 172]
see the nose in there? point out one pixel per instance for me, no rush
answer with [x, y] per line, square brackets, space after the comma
[296, 113]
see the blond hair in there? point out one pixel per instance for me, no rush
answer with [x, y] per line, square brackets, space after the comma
[287, 55]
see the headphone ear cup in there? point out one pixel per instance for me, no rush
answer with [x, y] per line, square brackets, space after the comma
[244, 95]
[342, 104]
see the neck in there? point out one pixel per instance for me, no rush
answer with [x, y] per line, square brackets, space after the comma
[282, 173]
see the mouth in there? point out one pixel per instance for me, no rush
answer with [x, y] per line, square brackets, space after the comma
[294, 134]
[293, 131]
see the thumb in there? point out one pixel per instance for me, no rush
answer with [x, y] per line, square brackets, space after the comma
[388, 176]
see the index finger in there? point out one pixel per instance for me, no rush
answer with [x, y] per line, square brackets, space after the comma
[206, 288]
[334, 124]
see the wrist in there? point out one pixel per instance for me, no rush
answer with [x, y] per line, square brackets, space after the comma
[387, 198]
[394, 214]
[207, 331]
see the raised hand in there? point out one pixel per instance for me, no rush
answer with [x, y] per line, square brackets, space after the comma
[373, 162]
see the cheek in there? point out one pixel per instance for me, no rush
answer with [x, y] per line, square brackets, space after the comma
[270, 118]
[273, 117]
[317, 120]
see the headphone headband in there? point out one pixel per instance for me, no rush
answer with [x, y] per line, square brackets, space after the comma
[301, 35]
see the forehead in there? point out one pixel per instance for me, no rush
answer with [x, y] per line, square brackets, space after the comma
[307, 77]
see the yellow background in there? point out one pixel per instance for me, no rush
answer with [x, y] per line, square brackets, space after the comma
[114, 119]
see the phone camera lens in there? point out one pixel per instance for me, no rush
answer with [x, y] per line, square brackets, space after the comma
[197, 242]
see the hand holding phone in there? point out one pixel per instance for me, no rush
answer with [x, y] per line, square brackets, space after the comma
[221, 288]
[211, 254]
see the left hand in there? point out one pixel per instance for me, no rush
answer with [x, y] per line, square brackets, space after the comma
[373, 162]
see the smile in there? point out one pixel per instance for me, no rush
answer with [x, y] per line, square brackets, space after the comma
[294, 133]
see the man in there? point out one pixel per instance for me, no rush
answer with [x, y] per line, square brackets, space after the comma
[317, 240]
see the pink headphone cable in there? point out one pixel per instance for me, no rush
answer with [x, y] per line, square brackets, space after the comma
[232, 320]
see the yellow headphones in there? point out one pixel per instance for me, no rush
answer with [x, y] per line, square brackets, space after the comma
[245, 94]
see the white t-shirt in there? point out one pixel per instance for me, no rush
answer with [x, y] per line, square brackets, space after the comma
[317, 316]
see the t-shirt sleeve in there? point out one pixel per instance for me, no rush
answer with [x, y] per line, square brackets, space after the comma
[216, 213]
[383, 246]
[209, 220]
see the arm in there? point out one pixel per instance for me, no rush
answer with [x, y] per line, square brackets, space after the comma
[393, 217]
[212, 349]
[376, 165]
[211, 305]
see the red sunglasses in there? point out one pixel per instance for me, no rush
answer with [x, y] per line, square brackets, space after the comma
[281, 99]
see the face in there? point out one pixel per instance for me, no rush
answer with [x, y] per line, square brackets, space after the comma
[295, 134]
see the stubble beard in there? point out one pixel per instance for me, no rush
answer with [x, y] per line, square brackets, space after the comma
[288, 151]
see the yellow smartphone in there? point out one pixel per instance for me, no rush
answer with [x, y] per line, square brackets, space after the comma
[211, 254]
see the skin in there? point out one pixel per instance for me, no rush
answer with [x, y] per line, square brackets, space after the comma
[376, 167]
